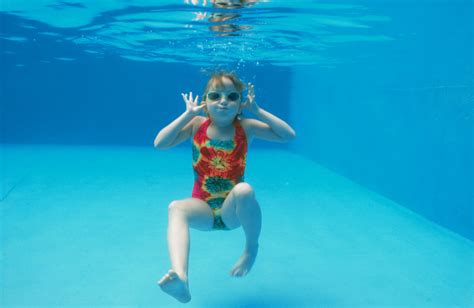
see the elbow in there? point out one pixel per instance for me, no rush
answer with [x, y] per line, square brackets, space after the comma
[290, 136]
[159, 146]
[158, 143]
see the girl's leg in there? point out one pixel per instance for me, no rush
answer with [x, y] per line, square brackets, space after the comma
[182, 214]
[241, 208]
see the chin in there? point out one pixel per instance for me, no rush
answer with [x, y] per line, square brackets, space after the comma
[224, 120]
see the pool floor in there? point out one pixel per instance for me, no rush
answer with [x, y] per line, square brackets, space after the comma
[86, 226]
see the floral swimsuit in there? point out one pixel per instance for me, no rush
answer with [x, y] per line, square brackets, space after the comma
[218, 167]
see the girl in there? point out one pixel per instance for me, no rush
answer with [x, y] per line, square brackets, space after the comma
[221, 200]
[225, 4]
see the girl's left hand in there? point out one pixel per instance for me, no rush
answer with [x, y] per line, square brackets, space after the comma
[250, 103]
[199, 16]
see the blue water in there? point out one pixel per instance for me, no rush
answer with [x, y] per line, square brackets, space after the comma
[371, 204]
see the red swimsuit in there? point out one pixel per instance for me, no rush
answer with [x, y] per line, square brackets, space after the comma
[218, 167]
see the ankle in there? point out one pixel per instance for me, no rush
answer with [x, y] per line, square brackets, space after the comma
[182, 276]
[251, 247]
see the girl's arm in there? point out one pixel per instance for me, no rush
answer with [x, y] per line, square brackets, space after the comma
[270, 127]
[182, 127]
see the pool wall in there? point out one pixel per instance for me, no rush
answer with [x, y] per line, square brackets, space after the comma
[411, 143]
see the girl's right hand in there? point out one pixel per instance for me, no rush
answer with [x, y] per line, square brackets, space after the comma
[192, 106]
[196, 2]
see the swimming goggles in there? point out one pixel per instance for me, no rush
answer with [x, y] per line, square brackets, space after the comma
[215, 96]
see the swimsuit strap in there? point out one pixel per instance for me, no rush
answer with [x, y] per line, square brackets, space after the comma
[239, 130]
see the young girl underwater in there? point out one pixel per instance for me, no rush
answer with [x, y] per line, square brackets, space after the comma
[221, 200]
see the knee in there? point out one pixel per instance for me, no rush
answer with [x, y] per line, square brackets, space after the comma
[175, 206]
[244, 191]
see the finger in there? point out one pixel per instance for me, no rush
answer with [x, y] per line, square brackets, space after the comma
[191, 96]
[196, 100]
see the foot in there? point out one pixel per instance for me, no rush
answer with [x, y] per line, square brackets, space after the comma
[245, 263]
[175, 286]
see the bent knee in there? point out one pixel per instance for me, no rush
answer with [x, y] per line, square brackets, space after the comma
[175, 205]
[244, 190]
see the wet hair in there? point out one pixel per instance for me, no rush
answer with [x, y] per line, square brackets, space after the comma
[217, 80]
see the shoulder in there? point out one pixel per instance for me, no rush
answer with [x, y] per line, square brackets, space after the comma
[261, 130]
[197, 122]
[199, 119]
[248, 125]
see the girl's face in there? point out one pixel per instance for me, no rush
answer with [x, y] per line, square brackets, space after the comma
[223, 101]
[227, 4]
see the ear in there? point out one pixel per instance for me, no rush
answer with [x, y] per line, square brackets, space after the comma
[242, 105]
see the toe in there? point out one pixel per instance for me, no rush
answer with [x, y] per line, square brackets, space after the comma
[168, 276]
[162, 281]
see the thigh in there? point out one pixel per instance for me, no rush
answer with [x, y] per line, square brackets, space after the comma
[228, 211]
[198, 213]
[240, 195]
